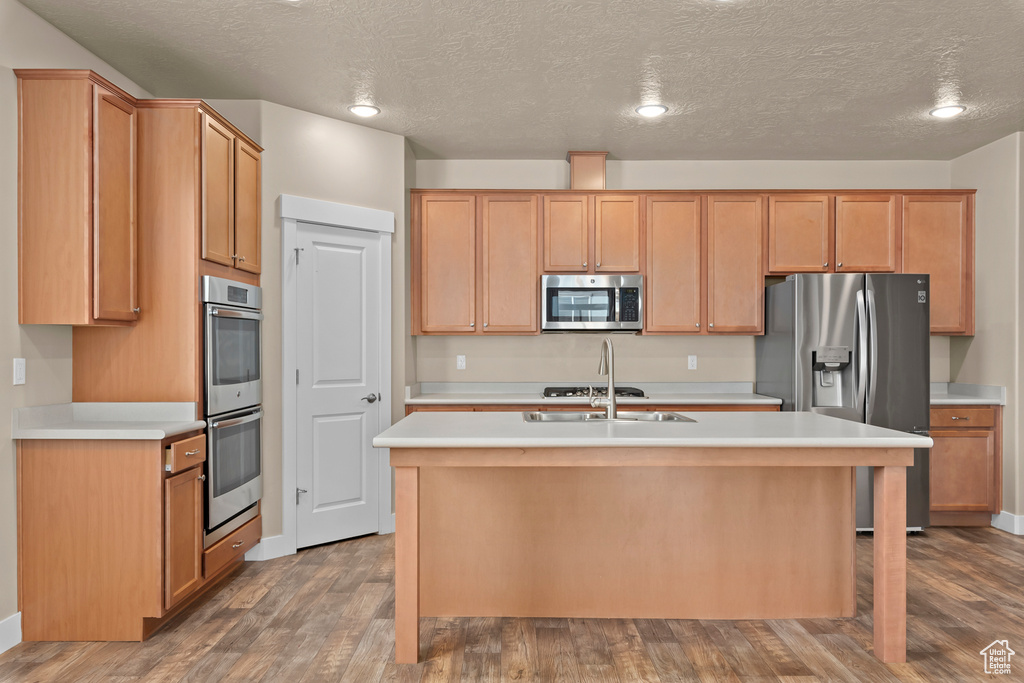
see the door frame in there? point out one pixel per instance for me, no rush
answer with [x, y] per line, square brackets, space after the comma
[295, 211]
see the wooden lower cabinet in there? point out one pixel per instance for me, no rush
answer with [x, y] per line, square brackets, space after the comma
[110, 544]
[965, 465]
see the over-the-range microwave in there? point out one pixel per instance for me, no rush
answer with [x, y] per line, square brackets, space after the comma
[590, 303]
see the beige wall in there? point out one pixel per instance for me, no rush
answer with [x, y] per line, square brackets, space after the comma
[26, 41]
[313, 156]
[993, 355]
[573, 357]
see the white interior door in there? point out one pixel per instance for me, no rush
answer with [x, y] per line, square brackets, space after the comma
[339, 339]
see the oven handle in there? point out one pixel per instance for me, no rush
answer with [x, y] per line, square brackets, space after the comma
[228, 313]
[252, 417]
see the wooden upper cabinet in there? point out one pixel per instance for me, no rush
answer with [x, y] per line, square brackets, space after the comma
[183, 535]
[509, 263]
[800, 234]
[867, 228]
[617, 233]
[673, 292]
[735, 281]
[231, 196]
[567, 233]
[444, 249]
[218, 157]
[938, 239]
[77, 228]
[247, 207]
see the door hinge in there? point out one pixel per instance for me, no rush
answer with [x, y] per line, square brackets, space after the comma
[297, 250]
[297, 492]
[296, 375]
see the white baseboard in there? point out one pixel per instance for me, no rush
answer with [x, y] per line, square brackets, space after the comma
[270, 548]
[388, 525]
[1004, 521]
[10, 632]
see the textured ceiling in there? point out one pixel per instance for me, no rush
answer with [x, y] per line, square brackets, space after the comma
[531, 79]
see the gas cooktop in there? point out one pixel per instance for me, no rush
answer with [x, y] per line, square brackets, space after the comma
[561, 392]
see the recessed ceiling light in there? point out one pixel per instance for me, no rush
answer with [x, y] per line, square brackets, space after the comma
[948, 112]
[364, 110]
[651, 110]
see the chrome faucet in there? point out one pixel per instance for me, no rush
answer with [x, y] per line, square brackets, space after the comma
[607, 367]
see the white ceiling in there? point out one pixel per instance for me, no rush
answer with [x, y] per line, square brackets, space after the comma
[531, 79]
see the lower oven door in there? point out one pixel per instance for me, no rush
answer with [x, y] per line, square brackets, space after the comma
[234, 478]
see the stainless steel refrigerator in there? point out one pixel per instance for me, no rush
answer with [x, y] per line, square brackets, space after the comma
[853, 346]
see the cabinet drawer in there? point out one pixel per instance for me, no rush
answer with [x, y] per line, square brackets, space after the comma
[186, 453]
[232, 547]
[963, 417]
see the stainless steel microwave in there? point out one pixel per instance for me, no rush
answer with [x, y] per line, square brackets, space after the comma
[591, 303]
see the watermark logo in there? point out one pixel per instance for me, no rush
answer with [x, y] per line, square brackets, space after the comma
[997, 657]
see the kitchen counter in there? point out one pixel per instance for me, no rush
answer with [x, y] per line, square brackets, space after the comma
[956, 393]
[116, 421]
[711, 430]
[735, 516]
[531, 393]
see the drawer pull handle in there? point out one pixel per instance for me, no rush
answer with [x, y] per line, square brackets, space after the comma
[238, 545]
[193, 452]
[959, 418]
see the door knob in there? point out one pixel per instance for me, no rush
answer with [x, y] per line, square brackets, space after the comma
[370, 398]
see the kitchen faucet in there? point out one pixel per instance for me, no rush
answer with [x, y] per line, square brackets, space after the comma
[607, 367]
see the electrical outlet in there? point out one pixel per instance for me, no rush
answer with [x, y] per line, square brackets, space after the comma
[460, 362]
[691, 362]
[19, 371]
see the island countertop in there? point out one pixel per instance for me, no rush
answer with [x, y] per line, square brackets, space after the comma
[711, 430]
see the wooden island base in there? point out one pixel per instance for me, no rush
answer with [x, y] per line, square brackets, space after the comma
[679, 533]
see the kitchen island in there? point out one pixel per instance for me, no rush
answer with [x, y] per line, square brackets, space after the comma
[734, 516]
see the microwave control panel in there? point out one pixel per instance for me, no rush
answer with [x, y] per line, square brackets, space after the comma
[629, 303]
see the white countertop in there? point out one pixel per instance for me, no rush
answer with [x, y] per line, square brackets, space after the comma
[957, 393]
[531, 393]
[711, 429]
[117, 421]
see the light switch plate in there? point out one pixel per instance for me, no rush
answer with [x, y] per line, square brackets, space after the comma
[691, 362]
[19, 371]
[460, 362]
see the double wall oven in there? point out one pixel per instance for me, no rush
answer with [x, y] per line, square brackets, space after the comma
[232, 328]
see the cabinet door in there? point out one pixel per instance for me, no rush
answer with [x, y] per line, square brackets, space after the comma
[247, 207]
[866, 230]
[509, 241]
[447, 263]
[566, 233]
[734, 276]
[114, 225]
[674, 270]
[218, 156]
[961, 471]
[800, 234]
[617, 233]
[938, 239]
[183, 535]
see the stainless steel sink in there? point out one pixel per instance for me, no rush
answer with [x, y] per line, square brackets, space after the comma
[623, 416]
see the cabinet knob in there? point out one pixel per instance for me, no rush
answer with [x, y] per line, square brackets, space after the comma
[472, 324]
[136, 310]
[584, 264]
[202, 477]
[711, 324]
[825, 264]
[697, 324]
[598, 264]
[237, 257]
[485, 324]
[839, 265]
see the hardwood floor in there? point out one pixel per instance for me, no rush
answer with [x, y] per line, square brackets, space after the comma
[327, 614]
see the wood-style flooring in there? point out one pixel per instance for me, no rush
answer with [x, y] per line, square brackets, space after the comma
[326, 614]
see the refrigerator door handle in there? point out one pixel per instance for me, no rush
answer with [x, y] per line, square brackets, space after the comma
[862, 348]
[873, 379]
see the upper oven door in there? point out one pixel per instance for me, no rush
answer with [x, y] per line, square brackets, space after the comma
[232, 365]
